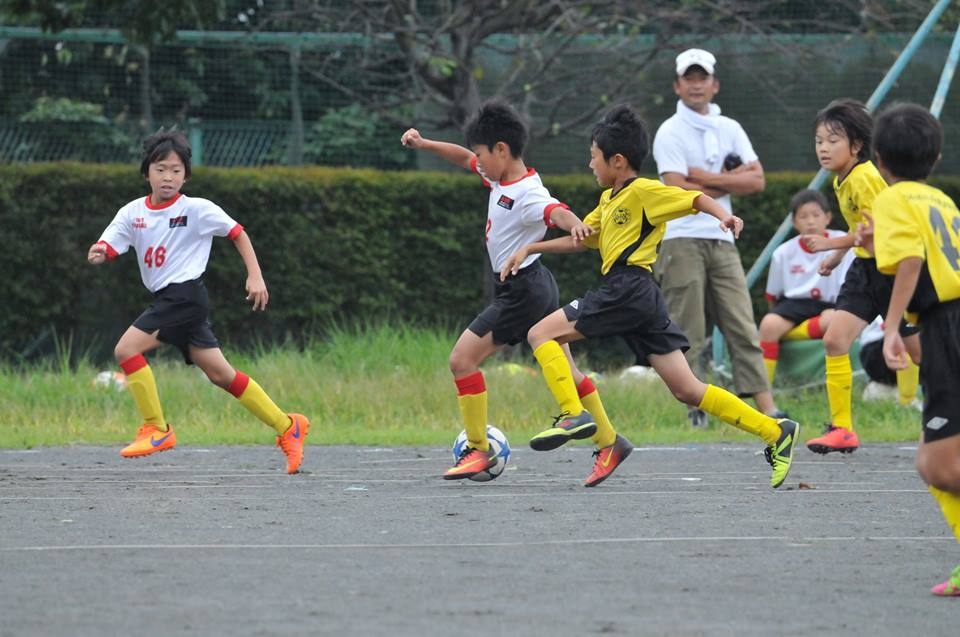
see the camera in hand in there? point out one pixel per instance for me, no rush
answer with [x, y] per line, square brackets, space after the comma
[732, 161]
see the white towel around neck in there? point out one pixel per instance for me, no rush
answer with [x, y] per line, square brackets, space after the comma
[707, 125]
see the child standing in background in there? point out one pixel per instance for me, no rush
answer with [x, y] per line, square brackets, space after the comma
[172, 234]
[843, 135]
[801, 299]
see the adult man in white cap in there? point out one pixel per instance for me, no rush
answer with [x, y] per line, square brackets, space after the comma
[699, 267]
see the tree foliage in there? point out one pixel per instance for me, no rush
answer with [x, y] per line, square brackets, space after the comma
[441, 56]
[560, 61]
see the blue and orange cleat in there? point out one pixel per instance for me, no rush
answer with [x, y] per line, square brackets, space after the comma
[150, 439]
[608, 459]
[471, 462]
[292, 441]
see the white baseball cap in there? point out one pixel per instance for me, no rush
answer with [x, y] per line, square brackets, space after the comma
[695, 57]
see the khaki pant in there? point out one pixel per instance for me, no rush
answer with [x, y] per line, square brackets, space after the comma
[703, 279]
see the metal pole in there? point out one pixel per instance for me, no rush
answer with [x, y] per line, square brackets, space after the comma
[947, 76]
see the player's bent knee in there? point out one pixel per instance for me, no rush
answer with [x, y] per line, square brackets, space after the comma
[943, 476]
[836, 346]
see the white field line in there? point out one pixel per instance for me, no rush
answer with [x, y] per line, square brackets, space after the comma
[465, 545]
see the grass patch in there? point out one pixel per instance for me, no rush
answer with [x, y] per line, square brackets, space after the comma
[368, 386]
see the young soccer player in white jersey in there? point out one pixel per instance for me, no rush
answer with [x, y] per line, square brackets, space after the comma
[171, 234]
[519, 211]
[917, 240]
[628, 225]
[842, 135]
[801, 299]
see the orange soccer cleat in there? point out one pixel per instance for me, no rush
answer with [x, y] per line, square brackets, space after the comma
[150, 439]
[292, 441]
[470, 463]
[608, 459]
[834, 439]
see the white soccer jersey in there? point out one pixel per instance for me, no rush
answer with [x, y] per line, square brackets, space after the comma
[518, 213]
[793, 272]
[172, 241]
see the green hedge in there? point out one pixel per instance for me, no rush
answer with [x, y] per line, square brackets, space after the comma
[335, 245]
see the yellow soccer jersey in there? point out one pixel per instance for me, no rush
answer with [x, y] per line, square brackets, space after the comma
[629, 226]
[914, 219]
[856, 193]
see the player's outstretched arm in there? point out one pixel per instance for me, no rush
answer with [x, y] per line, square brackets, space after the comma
[453, 153]
[566, 220]
[687, 183]
[820, 243]
[559, 245]
[709, 205]
[256, 287]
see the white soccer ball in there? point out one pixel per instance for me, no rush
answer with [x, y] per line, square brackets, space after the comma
[498, 443]
[112, 380]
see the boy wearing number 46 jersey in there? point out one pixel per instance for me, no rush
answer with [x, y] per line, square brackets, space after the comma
[172, 235]
[917, 240]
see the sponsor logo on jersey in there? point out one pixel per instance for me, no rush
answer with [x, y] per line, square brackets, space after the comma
[797, 269]
[139, 222]
[505, 202]
[178, 222]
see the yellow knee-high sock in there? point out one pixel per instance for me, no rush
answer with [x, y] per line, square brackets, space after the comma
[950, 506]
[251, 395]
[590, 398]
[907, 382]
[472, 399]
[143, 388]
[556, 371]
[839, 390]
[731, 410]
[771, 354]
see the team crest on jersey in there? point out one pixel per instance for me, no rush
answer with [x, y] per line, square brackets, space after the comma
[139, 222]
[505, 202]
[178, 222]
[621, 216]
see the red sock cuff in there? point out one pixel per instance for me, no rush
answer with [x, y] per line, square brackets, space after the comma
[771, 351]
[586, 387]
[239, 384]
[813, 328]
[133, 364]
[472, 384]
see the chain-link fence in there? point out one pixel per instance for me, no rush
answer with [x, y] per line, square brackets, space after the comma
[245, 101]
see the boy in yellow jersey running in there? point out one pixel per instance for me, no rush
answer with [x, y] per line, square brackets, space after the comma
[843, 133]
[917, 240]
[628, 225]
[519, 211]
[171, 234]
